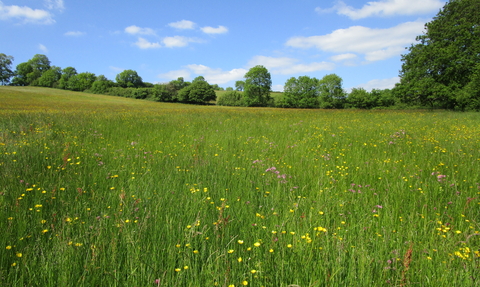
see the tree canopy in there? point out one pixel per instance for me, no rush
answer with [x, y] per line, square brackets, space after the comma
[5, 68]
[258, 84]
[129, 78]
[443, 61]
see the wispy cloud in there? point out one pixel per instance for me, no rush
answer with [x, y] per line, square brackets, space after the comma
[74, 33]
[145, 44]
[380, 84]
[211, 75]
[183, 24]
[288, 66]
[374, 44]
[135, 30]
[178, 41]
[25, 14]
[385, 8]
[43, 48]
[55, 5]
[212, 30]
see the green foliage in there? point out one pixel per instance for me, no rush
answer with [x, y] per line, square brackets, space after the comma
[49, 78]
[21, 74]
[81, 82]
[179, 83]
[199, 92]
[164, 93]
[257, 87]
[6, 69]
[101, 85]
[301, 93]
[28, 72]
[469, 97]
[231, 98]
[331, 93]
[239, 85]
[129, 79]
[67, 73]
[442, 63]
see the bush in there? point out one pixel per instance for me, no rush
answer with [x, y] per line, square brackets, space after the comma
[231, 98]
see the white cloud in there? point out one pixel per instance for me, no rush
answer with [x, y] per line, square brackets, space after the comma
[116, 69]
[145, 44]
[74, 33]
[380, 84]
[173, 75]
[55, 5]
[184, 24]
[217, 76]
[27, 14]
[212, 30]
[384, 8]
[137, 30]
[43, 48]
[375, 44]
[343, 57]
[287, 66]
[177, 41]
[277, 88]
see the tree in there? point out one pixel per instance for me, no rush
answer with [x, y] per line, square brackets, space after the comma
[28, 72]
[6, 68]
[67, 73]
[179, 83]
[258, 85]
[331, 95]
[101, 85]
[443, 60]
[81, 82]
[50, 77]
[199, 92]
[301, 92]
[129, 79]
[239, 85]
[21, 72]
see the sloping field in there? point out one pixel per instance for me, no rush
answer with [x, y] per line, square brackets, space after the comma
[106, 191]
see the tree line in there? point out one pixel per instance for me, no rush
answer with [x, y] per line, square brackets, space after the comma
[442, 70]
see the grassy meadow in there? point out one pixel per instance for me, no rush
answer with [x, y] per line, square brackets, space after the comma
[105, 191]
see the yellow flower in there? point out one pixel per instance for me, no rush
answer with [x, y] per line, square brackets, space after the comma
[231, 251]
[239, 259]
[271, 250]
[240, 241]
[244, 283]
[185, 267]
[8, 247]
[19, 254]
[256, 244]
[289, 245]
[253, 271]
[178, 269]
[14, 264]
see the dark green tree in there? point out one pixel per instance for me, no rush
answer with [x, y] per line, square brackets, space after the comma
[21, 73]
[101, 85]
[179, 83]
[50, 77]
[301, 92]
[129, 79]
[258, 85]
[331, 93]
[6, 69]
[199, 92]
[444, 59]
[81, 82]
[67, 73]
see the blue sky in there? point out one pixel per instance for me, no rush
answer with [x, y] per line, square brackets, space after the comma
[361, 41]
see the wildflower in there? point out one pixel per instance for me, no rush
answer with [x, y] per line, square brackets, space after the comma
[8, 247]
[244, 283]
[256, 244]
[44, 231]
[19, 254]
[185, 267]
[178, 269]
[231, 251]
[289, 245]
[253, 271]
[239, 259]
[14, 264]
[271, 250]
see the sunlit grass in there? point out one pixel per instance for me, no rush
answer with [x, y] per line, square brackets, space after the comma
[99, 190]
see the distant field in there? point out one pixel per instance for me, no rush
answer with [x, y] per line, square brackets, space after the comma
[106, 191]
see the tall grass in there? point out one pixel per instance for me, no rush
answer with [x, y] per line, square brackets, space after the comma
[105, 191]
